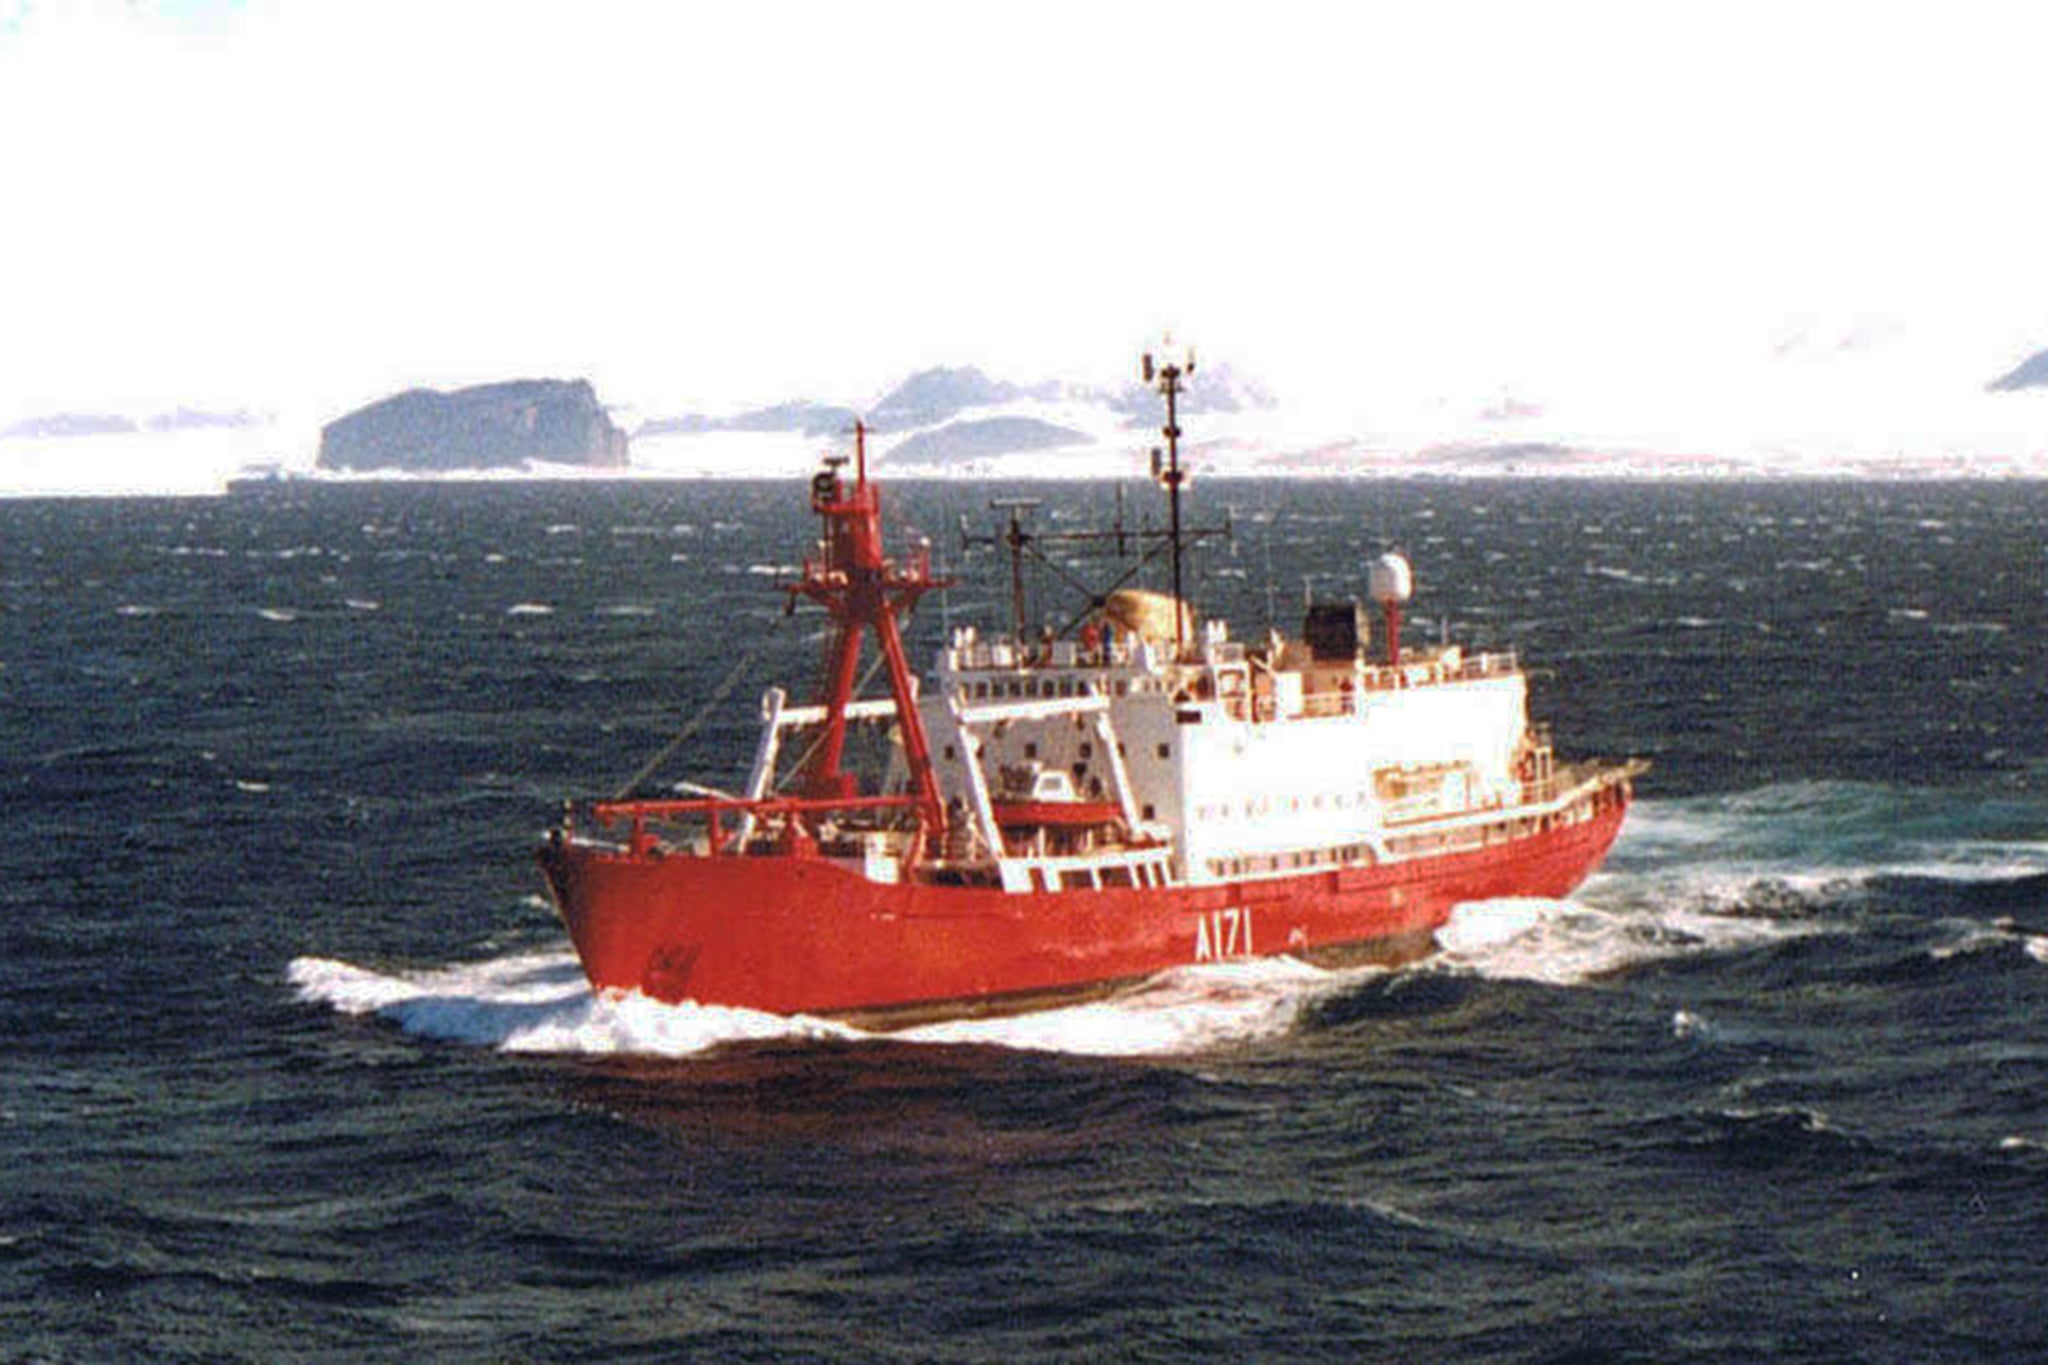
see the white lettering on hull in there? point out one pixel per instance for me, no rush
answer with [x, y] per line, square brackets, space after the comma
[1224, 933]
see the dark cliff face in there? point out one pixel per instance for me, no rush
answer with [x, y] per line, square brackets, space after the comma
[491, 426]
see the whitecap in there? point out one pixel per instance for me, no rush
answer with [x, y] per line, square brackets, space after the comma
[1809, 839]
[540, 1002]
[1567, 943]
[136, 609]
[537, 1002]
[1808, 1120]
[361, 604]
[277, 614]
[529, 609]
[1965, 937]
[1187, 1010]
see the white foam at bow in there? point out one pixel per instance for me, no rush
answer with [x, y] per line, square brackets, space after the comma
[539, 1002]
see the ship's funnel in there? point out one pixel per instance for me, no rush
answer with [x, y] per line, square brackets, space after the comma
[1391, 583]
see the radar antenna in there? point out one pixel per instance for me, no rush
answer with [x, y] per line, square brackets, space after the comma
[1021, 540]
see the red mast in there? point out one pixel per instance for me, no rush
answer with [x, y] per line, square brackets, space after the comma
[862, 589]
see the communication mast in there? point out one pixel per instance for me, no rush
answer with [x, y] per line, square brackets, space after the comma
[1166, 377]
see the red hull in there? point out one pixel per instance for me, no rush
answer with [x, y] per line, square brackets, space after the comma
[798, 934]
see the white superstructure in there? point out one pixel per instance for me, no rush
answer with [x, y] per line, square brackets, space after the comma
[1260, 759]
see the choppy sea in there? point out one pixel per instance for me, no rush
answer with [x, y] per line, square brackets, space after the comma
[298, 1065]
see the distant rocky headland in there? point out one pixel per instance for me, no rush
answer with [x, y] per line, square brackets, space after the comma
[489, 426]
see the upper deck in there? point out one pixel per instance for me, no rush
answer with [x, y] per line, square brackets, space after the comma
[1223, 679]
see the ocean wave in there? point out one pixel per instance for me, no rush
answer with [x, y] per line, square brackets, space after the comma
[1769, 1137]
[1571, 942]
[1969, 938]
[1812, 839]
[535, 1002]
[540, 1003]
[1187, 1010]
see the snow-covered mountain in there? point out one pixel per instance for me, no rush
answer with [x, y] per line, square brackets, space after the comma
[2031, 373]
[1865, 401]
[959, 420]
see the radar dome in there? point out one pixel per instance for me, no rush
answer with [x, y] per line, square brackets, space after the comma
[1391, 580]
[1147, 615]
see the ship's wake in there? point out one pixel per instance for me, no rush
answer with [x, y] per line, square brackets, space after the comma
[1704, 875]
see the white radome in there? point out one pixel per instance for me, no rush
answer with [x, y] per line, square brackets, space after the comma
[1391, 580]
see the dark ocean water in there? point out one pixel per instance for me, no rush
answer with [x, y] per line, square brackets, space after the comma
[298, 1067]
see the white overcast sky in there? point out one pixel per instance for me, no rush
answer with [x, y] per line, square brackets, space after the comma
[1630, 209]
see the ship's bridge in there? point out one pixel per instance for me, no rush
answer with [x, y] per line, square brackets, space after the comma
[976, 670]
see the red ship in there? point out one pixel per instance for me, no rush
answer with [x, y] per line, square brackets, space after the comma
[1063, 817]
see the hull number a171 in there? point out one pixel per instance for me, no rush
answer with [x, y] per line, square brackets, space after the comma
[1223, 933]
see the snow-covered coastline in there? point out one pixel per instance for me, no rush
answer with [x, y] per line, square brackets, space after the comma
[955, 424]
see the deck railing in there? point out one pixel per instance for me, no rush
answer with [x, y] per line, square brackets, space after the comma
[638, 814]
